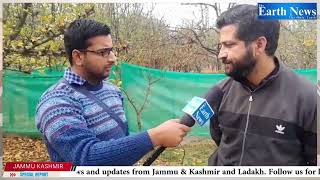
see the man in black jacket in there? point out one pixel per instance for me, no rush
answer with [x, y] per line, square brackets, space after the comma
[268, 113]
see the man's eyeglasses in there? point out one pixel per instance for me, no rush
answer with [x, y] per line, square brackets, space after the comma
[101, 52]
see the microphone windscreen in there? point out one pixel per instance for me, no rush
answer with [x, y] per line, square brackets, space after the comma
[213, 97]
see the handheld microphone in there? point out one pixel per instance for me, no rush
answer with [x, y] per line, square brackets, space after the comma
[213, 98]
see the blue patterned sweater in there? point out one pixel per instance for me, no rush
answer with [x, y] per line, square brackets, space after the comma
[76, 129]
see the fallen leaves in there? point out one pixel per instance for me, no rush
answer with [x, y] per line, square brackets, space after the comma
[24, 149]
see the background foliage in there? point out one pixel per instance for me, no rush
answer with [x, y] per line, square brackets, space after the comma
[33, 36]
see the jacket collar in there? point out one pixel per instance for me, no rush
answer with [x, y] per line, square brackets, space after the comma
[273, 75]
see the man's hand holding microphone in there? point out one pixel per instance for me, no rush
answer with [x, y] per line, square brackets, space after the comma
[169, 133]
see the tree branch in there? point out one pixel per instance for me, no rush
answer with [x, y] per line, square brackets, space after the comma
[32, 52]
[130, 100]
[210, 50]
[205, 4]
[148, 91]
[21, 22]
[42, 41]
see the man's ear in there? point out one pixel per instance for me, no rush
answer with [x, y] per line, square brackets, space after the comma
[260, 45]
[77, 57]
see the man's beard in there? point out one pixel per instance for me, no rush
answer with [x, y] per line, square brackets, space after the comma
[242, 67]
[94, 73]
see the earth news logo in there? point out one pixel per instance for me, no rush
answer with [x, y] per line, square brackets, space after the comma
[287, 11]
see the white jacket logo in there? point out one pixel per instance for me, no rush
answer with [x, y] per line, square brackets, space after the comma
[280, 129]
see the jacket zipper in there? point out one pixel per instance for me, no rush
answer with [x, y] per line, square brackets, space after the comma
[245, 130]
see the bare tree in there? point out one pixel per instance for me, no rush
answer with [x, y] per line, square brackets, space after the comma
[201, 29]
[138, 109]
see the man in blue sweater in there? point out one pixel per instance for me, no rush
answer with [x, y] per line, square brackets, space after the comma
[82, 118]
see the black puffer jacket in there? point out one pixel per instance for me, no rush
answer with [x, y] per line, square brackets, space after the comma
[275, 124]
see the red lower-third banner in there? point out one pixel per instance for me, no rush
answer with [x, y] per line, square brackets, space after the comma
[38, 166]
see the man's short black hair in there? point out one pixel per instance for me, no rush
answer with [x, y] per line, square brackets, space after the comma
[249, 27]
[78, 33]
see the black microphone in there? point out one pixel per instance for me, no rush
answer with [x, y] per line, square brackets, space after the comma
[213, 97]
